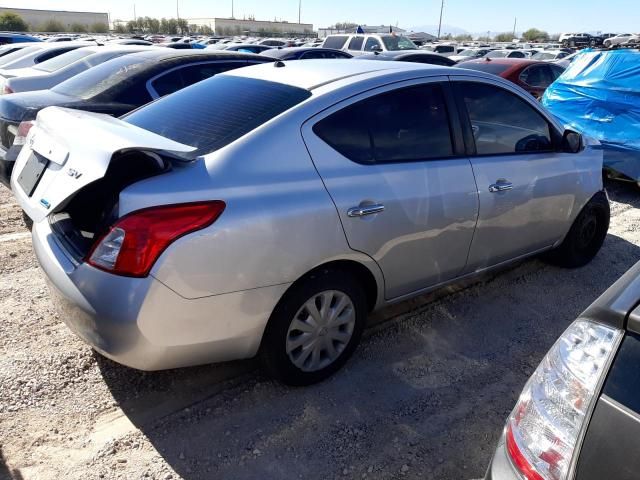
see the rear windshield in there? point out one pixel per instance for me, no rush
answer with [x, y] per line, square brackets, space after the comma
[489, 67]
[61, 61]
[213, 113]
[99, 79]
[18, 54]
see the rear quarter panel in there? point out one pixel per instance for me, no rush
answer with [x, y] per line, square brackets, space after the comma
[279, 222]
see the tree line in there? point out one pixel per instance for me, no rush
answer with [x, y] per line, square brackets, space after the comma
[12, 22]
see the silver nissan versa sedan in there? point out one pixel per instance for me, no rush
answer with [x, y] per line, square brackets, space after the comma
[269, 209]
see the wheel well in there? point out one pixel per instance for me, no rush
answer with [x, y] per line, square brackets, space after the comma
[359, 271]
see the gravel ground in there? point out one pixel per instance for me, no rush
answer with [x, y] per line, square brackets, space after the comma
[425, 396]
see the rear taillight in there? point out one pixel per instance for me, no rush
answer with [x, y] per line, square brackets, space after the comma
[135, 242]
[544, 427]
[20, 132]
[6, 90]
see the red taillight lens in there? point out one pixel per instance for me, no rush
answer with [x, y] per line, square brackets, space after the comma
[519, 459]
[21, 132]
[7, 90]
[135, 242]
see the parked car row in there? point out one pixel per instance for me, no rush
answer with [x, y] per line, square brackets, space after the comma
[167, 200]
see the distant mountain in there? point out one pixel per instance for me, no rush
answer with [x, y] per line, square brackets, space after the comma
[433, 29]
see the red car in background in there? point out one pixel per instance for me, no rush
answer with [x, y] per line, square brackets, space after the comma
[532, 75]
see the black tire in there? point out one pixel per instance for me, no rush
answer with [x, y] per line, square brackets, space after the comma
[27, 221]
[273, 350]
[586, 236]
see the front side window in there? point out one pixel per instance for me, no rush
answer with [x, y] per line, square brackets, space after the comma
[372, 45]
[502, 122]
[397, 42]
[403, 125]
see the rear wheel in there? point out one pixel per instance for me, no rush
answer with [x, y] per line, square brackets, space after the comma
[315, 328]
[586, 236]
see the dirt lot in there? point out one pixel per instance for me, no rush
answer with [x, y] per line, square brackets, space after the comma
[425, 396]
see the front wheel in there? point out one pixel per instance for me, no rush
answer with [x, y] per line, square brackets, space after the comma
[315, 328]
[586, 236]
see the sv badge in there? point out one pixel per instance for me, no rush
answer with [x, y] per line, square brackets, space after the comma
[72, 172]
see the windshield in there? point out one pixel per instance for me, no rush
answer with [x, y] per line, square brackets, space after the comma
[468, 53]
[61, 61]
[497, 54]
[99, 79]
[544, 56]
[215, 112]
[10, 57]
[395, 42]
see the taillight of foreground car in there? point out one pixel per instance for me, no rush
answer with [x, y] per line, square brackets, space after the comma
[20, 132]
[135, 242]
[6, 90]
[544, 427]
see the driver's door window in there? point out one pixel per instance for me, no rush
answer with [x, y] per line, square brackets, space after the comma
[372, 45]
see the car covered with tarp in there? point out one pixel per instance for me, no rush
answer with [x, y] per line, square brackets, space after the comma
[599, 95]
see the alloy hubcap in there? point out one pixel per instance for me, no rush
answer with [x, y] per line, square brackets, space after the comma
[320, 330]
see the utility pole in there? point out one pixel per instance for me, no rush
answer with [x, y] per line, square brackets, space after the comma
[299, 10]
[232, 16]
[440, 24]
[134, 12]
[178, 18]
[515, 22]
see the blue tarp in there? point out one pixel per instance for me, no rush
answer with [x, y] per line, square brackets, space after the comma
[599, 95]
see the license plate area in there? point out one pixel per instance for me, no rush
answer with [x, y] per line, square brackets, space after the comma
[32, 173]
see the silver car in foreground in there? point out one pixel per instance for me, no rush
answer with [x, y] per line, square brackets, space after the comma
[269, 209]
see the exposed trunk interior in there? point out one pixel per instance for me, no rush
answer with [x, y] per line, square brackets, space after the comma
[93, 209]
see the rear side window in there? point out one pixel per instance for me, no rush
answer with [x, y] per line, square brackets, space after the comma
[408, 124]
[213, 113]
[537, 76]
[502, 122]
[356, 43]
[336, 41]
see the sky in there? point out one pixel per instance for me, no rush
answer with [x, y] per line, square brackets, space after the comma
[471, 15]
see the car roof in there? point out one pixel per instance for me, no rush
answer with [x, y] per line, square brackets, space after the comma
[159, 53]
[311, 74]
[283, 52]
[508, 61]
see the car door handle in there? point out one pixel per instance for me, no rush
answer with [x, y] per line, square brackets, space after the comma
[500, 187]
[365, 210]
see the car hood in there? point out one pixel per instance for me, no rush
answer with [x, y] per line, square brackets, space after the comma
[26, 105]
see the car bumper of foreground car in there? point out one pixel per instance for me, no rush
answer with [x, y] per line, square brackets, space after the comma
[501, 467]
[143, 324]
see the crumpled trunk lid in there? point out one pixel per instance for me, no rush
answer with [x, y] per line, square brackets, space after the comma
[68, 149]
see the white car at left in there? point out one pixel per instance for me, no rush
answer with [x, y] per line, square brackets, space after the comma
[50, 73]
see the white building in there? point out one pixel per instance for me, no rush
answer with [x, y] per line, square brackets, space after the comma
[35, 18]
[234, 26]
[323, 32]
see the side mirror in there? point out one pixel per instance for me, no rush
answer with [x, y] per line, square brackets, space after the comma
[572, 142]
[376, 48]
